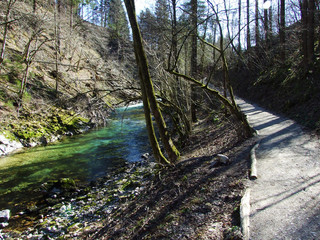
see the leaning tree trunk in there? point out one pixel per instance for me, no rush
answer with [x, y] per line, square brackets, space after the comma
[151, 133]
[234, 110]
[147, 85]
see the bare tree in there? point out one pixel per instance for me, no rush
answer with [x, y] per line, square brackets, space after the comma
[282, 29]
[28, 56]
[193, 56]
[257, 32]
[307, 18]
[239, 25]
[148, 95]
[57, 15]
[6, 23]
[248, 25]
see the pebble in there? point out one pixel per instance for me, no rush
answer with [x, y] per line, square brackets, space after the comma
[71, 216]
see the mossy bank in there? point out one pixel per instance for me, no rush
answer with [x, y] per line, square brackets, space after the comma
[40, 128]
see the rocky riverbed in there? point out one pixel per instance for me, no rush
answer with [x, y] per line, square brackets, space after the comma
[197, 198]
[69, 210]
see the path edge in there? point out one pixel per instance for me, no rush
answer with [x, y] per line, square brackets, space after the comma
[245, 214]
[253, 167]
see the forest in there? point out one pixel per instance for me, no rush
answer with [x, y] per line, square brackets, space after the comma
[66, 66]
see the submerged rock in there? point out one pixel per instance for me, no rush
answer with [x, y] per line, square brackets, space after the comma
[88, 206]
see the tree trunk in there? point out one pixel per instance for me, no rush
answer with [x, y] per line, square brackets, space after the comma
[266, 27]
[194, 53]
[310, 27]
[147, 86]
[5, 31]
[248, 25]
[282, 30]
[151, 133]
[232, 108]
[307, 19]
[71, 14]
[257, 33]
[239, 27]
[57, 13]
[34, 6]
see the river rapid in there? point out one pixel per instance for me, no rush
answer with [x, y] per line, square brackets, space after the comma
[83, 158]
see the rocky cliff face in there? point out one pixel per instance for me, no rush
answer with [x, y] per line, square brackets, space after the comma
[56, 78]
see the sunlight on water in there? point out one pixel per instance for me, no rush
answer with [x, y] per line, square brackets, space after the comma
[83, 158]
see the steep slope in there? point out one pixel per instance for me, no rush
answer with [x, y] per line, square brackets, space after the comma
[71, 77]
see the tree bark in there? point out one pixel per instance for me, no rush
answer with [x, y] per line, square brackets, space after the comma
[266, 27]
[34, 6]
[257, 32]
[248, 25]
[57, 14]
[282, 30]
[5, 31]
[229, 105]
[71, 14]
[307, 19]
[147, 85]
[239, 27]
[310, 27]
[194, 53]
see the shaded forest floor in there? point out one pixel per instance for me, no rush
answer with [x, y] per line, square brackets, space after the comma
[198, 198]
[285, 90]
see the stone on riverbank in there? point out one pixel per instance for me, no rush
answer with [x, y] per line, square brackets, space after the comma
[4, 218]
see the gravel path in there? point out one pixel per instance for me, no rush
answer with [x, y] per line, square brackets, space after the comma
[285, 199]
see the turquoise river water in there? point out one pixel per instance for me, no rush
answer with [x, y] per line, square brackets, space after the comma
[82, 158]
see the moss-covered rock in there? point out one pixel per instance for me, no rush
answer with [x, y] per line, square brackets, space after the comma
[32, 129]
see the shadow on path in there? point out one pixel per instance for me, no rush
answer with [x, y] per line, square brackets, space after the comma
[285, 197]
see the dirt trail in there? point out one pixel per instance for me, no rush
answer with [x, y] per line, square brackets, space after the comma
[285, 199]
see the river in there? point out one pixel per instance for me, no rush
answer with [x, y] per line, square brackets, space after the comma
[83, 157]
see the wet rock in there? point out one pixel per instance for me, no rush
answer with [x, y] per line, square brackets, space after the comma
[4, 215]
[43, 140]
[93, 202]
[145, 155]
[3, 225]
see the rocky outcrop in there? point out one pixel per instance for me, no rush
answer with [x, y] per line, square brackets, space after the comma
[7, 146]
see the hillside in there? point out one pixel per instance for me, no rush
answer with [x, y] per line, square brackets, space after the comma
[287, 88]
[71, 84]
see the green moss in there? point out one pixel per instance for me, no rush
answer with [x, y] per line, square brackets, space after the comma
[32, 127]
[67, 183]
[130, 184]
[8, 134]
[74, 227]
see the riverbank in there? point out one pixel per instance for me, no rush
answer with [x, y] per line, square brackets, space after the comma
[31, 129]
[199, 197]
[68, 210]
